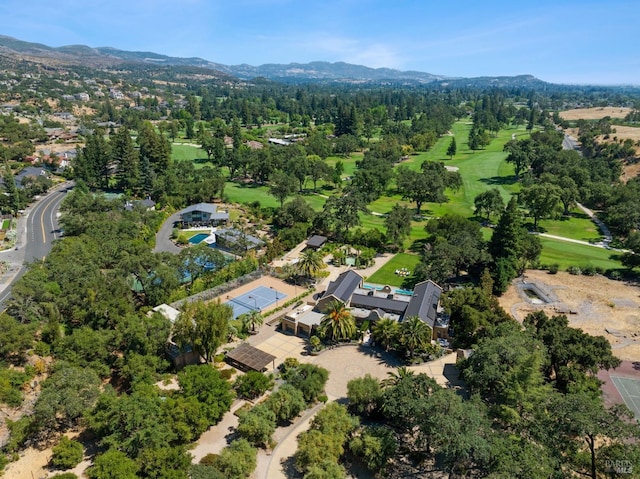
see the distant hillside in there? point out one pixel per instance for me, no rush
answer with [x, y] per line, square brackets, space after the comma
[293, 72]
[326, 71]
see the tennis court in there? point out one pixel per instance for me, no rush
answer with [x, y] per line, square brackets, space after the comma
[256, 299]
[629, 389]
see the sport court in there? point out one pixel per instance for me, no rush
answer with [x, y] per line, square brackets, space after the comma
[629, 389]
[256, 299]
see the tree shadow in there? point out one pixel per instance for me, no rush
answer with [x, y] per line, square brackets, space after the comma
[289, 467]
[452, 374]
[418, 245]
[499, 180]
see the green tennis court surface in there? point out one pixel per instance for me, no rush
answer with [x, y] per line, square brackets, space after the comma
[629, 389]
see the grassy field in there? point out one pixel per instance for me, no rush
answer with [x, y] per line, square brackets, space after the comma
[387, 274]
[579, 226]
[480, 171]
[248, 193]
[567, 254]
[187, 153]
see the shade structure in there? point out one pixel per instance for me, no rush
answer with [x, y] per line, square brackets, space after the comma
[246, 357]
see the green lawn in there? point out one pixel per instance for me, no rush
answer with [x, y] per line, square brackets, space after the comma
[248, 193]
[579, 226]
[387, 274]
[186, 152]
[565, 254]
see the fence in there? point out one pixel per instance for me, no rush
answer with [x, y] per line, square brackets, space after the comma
[209, 294]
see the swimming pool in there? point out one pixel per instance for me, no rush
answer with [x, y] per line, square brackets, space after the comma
[197, 239]
[406, 292]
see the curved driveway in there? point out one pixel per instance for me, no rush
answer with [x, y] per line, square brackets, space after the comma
[163, 238]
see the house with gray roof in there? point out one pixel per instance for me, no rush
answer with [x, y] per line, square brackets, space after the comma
[203, 214]
[372, 303]
[340, 290]
[424, 304]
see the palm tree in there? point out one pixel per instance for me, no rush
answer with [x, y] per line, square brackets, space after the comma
[252, 319]
[397, 376]
[337, 323]
[415, 334]
[310, 263]
[385, 332]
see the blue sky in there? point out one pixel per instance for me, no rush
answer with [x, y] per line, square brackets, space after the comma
[572, 41]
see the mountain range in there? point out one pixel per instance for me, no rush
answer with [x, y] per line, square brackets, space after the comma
[104, 57]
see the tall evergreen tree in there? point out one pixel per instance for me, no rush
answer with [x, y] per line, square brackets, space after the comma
[126, 159]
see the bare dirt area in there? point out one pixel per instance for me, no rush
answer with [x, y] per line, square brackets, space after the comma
[595, 304]
[595, 113]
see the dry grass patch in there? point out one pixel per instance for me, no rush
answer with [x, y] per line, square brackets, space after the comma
[602, 307]
[595, 113]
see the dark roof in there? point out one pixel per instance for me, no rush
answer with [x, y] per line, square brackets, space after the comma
[424, 302]
[316, 241]
[388, 305]
[246, 356]
[206, 207]
[344, 286]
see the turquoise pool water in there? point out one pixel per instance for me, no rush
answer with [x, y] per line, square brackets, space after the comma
[405, 292]
[197, 239]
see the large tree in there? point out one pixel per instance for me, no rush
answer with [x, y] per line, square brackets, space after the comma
[466, 246]
[398, 224]
[282, 185]
[127, 162]
[66, 396]
[203, 326]
[541, 200]
[489, 202]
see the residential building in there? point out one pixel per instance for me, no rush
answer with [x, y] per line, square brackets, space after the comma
[203, 214]
[371, 303]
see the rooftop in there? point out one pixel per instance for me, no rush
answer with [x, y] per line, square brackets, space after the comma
[246, 356]
[344, 286]
[206, 207]
[424, 302]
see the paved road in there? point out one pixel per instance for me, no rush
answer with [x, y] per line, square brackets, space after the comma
[36, 232]
[163, 238]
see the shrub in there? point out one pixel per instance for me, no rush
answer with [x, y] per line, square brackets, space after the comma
[209, 459]
[553, 268]
[615, 275]
[589, 270]
[65, 475]
[66, 454]
[253, 384]
[227, 373]
[575, 270]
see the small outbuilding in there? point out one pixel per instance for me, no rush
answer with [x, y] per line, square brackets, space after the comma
[245, 357]
[316, 241]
